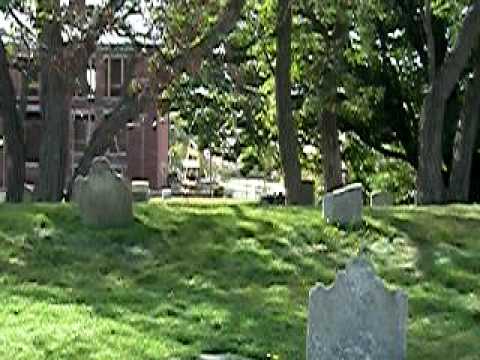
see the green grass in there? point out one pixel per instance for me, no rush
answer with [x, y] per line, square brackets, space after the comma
[200, 277]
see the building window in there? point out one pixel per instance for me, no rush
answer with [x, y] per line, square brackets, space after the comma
[114, 75]
[80, 133]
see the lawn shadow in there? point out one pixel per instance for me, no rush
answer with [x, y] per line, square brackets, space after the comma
[205, 266]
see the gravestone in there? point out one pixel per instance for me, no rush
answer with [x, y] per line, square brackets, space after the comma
[356, 318]
[104, 197]
[166, 193]
[307, 194]
[381, 198]
[140, 190]
[344, 206]
[28, 192]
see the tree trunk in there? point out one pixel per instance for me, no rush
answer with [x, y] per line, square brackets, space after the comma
[465, 140]
[331, 158]
[330, 145]
[109, 127]
[55, 101]
[430, 184]
[288, 139]
[13, 132]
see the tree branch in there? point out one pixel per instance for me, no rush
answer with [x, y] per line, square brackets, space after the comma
[457, 59]
[427, 26]
[133, 103]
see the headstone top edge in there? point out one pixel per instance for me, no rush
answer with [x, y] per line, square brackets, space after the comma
[345, 189]
[362, 263]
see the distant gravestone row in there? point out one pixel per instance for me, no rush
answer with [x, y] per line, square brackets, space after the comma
[344, 206]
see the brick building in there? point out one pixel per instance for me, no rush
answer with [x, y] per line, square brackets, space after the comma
[140, 151]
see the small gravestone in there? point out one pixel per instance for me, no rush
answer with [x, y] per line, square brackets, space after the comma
[307, 194]
[104, 197]
[166, 193]
[344, 206]
[140, 190]
[381, 198]
[356, 318]
[28, 192]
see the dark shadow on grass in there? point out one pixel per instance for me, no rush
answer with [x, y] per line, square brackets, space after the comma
[168, 263]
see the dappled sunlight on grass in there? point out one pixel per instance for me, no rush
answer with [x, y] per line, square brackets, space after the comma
[202, 277]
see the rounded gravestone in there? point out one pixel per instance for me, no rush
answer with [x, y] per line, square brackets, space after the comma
[357, 318]
[104, 197]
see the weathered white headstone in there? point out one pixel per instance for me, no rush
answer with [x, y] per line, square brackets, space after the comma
[141, 190]
[356, 318]
[344, 206]
[381, 198]
[104, 197]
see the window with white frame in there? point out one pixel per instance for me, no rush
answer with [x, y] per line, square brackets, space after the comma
[114, 75]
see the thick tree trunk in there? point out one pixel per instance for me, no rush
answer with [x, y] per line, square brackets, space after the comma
[13, 127]
[330, 144]
[331, 158]
[288, 139]
[430, 183]
[55, 100]
[465, 141]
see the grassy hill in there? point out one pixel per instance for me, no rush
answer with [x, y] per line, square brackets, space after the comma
[192, 278]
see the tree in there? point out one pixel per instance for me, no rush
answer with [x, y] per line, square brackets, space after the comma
[443, 80]
[55, 99]
[288, 138]
[13, 125]
[330, 144]
[465, 139]
[64, 38]
[166, 69]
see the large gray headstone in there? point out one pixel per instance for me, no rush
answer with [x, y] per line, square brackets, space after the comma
[344, 206]
[381, 198]
[104, 197]
[356, 318]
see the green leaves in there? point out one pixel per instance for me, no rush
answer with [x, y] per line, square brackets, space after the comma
[4, 4]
